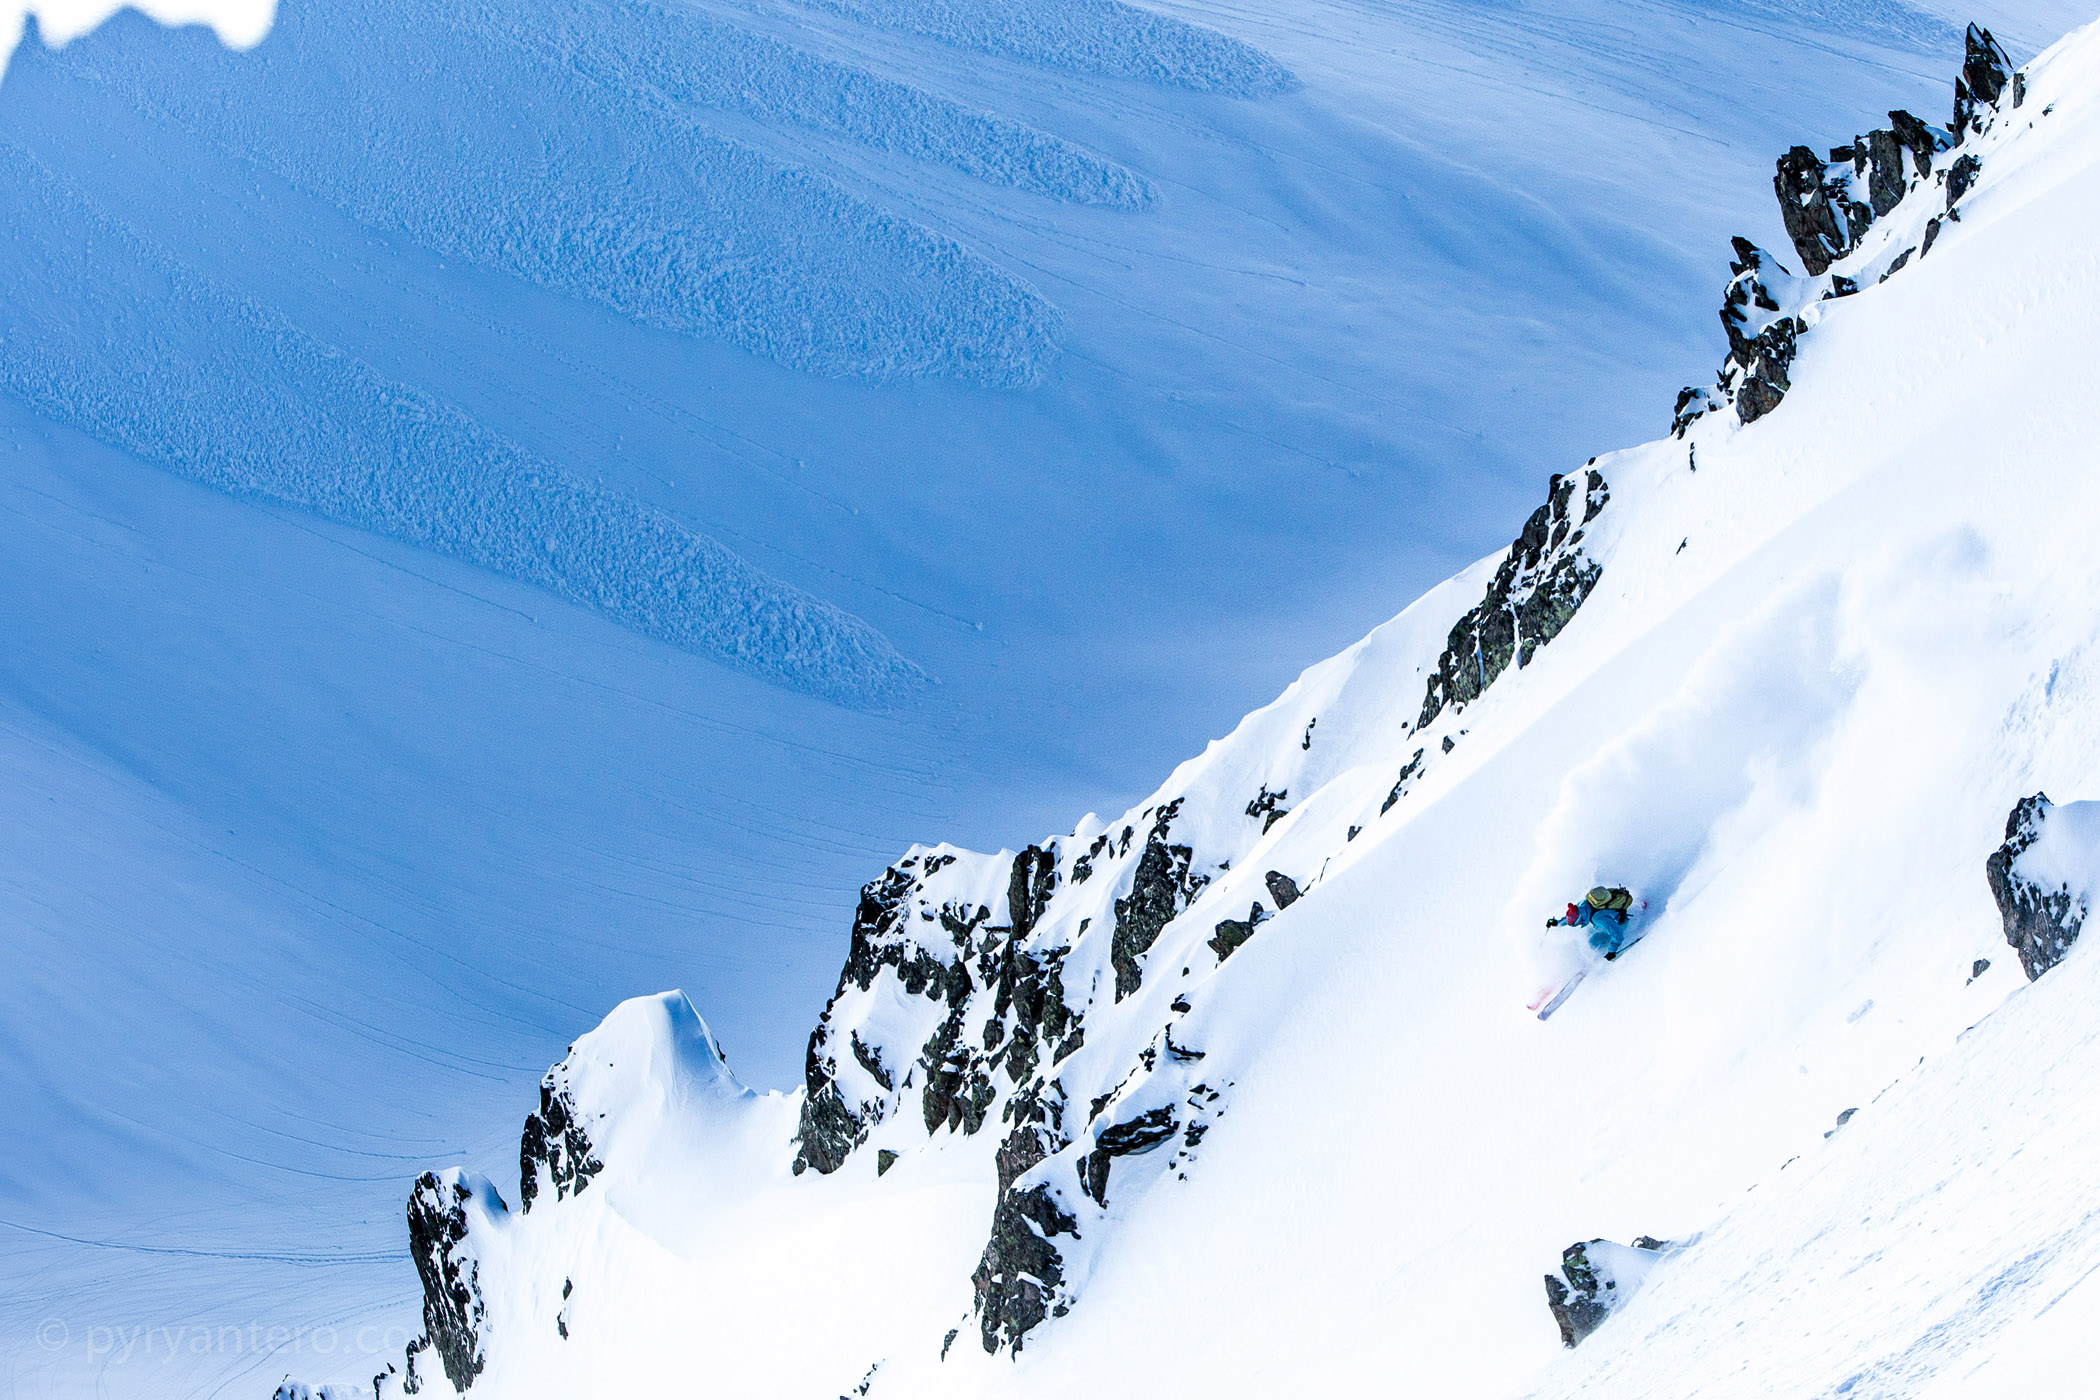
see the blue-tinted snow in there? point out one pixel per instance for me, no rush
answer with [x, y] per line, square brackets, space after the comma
[110, 336]
[1113, 363]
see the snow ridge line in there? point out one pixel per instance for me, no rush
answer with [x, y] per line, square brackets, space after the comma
[112, 336]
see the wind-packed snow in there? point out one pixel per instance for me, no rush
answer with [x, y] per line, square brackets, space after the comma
[1826, 653]
[406, 416]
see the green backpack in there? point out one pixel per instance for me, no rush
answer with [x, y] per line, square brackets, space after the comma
[1613, 898]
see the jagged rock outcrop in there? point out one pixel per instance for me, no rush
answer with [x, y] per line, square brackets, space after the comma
[830, 1126]
[1821, 219]
[1531, 598]
[1761, 342]
[1986, 74]
[2042, 909]
[1599, 1278]
[554, 1146]
[1831, 209]
[1161, 889]
[440, 1208]
[1017, 1280]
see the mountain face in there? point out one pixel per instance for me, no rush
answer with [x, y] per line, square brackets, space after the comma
[1240, 1080]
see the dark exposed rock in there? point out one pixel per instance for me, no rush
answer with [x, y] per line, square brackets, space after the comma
[1978, 968]
[2040, 923]
[1986, 71]
[869, 1060]
[454, 1313]
[1765, 382]
[1693, 403]
[1760, 347]
[1577, 1314]
[1029, 888]
[1018, 1276]
[1886, 182]
[1268, 807]
[1129, 1139]
[1083, 868]
[884, 1160]
[829, 1129]
[1227, 937]
[411, 1366]
[1530, 599]
[1282, 888]
[1593, 1288]
[1160, 889]
[1961, 178]
[1408, 771]
[1813, 207]
[554, 1143]
[830, 1126]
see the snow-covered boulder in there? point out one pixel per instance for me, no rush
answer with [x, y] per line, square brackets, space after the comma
[2043, 877]
[1599, 1278]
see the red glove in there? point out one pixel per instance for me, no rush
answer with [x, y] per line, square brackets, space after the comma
[1569, 917]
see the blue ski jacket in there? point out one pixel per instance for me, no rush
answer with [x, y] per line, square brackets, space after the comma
[1607, 926]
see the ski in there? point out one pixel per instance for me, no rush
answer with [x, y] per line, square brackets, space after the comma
[1567, 990]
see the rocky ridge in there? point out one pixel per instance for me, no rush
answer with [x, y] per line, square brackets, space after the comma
[1048, 1003]
[1855, 219]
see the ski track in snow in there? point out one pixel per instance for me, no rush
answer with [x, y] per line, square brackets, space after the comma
[111, 336]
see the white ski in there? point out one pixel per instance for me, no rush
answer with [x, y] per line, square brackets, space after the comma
[1567, 990]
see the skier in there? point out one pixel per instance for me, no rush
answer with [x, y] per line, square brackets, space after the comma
[1604, 911]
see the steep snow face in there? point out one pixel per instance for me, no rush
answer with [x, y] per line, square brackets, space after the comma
[354, 836]
[1236, 1091]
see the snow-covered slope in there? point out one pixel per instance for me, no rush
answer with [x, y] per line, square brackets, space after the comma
[1236, 1092]
[421, 637]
